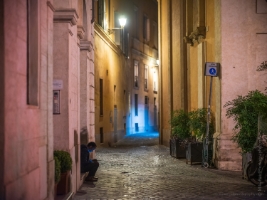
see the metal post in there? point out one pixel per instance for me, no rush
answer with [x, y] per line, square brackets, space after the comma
[122, 39]
[260, 155]
[205, 158]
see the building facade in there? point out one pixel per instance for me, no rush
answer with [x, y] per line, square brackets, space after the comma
[194, 32]
[69, 75]
[73, 80]
[126, 69]
[47, 92]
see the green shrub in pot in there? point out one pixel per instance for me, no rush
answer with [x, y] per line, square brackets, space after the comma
[179, 124]
[57, 170]
[198, 123]
[245, 111]
[64, 159]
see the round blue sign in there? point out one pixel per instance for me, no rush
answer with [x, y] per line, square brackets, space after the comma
[212, 71]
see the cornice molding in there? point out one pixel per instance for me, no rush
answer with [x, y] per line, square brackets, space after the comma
[70, 32]
[105, 37]
[143, 55]
[196, 36]
[80, 32]
[86, 45]
[49, 4]
[66, 16]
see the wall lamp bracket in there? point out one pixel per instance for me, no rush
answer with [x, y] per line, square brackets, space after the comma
[112, 30]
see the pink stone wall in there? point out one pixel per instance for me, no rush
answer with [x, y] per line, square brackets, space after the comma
[68, 66]
[243, 47]
[2, 94]
[26, 127]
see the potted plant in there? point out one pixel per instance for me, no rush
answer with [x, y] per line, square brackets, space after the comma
[57, 173]
[245, 111]
[180, 133]
[65, 167]
[198, 126]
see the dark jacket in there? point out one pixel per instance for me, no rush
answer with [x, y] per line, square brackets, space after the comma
[84, 158]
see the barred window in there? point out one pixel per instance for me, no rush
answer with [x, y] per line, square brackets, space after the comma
[146, 78]
[136, 104]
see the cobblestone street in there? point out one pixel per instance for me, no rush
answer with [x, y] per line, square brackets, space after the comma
[149, 172]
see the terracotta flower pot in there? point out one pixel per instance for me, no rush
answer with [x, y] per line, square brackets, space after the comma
[63, 184]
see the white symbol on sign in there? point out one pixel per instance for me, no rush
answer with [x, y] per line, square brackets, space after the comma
[212, 71]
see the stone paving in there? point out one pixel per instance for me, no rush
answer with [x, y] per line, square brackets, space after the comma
[147, 171]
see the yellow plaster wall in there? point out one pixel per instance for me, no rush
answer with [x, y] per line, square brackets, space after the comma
[193, 78]
[110, 68]
[165, 71]
[177, 74]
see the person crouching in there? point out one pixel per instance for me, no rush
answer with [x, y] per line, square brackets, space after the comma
[87, 164]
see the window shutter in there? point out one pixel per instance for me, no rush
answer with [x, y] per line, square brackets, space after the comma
[126, 42]
[147, 29]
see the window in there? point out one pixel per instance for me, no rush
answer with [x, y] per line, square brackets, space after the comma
[146, 28]
[136, 104]
[136, 127]
[155, 35]
[117, 32]
[155, 82]
[136, 74]
[101, 12]
[32, 52]
[115, 95]
[146, 77]
[101, 97]
[125, 44]
[136, 19]
[101, 135]
[146, 100]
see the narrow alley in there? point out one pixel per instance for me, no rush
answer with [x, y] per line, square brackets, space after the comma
[147, 171]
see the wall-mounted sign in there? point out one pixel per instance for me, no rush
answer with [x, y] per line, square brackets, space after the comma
[212, 69]
[56, 102]
[57, 84]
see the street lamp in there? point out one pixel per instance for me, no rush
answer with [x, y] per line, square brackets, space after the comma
[122, 21]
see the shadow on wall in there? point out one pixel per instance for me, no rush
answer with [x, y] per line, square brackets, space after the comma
[84, 135]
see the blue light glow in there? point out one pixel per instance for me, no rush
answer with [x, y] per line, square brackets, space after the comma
[144, 135]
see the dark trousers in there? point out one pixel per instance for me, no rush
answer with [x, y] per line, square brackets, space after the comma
[92, 168]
